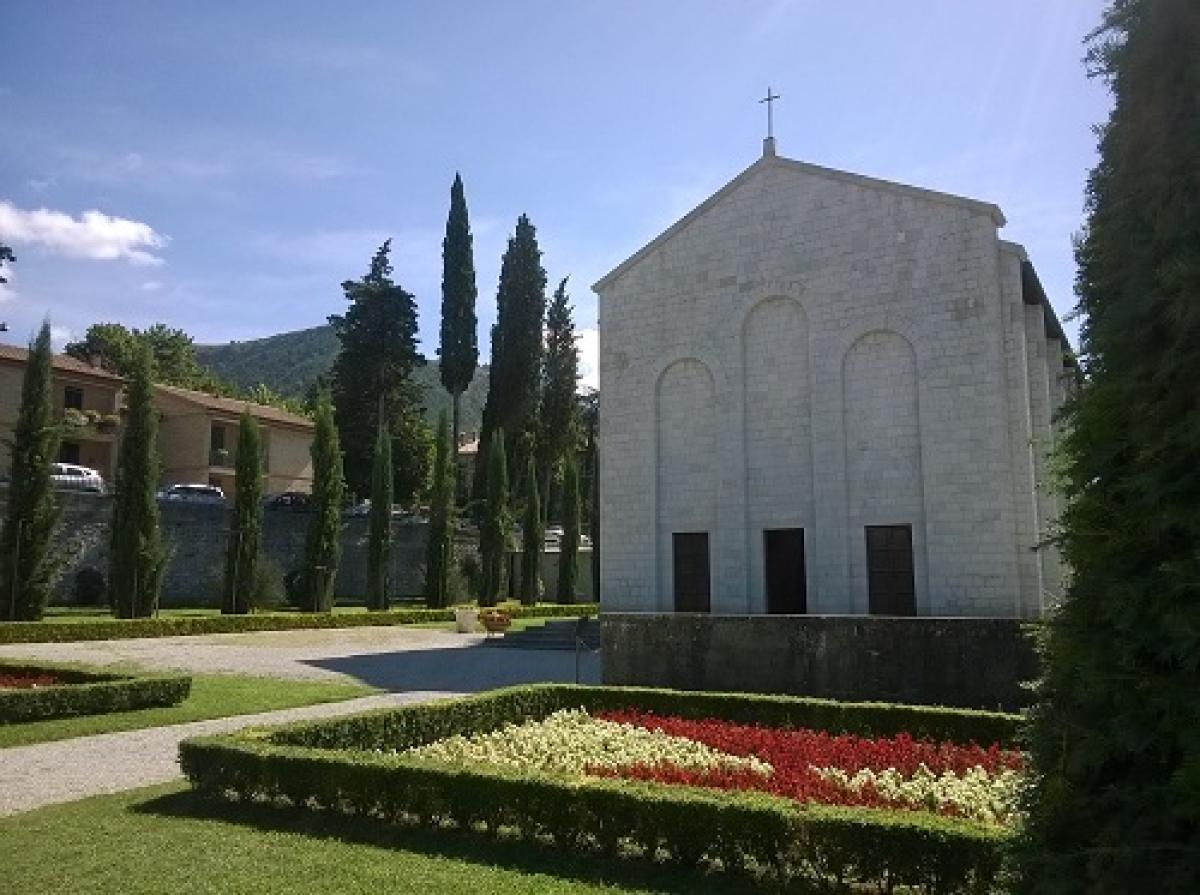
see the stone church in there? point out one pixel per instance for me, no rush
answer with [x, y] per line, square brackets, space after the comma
[829, 394]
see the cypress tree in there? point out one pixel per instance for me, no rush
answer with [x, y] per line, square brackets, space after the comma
[379, 547]
[137, 555]
[1114, 737]
[531, 539]
[459, 343]
[26, 566]
[441, 520]
[376, 359]
[494, 533]
[559, 414]
[568, 550]
[245, 535]
[514, 379]
[322, 546]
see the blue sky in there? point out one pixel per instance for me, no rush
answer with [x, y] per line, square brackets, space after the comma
[223, 167]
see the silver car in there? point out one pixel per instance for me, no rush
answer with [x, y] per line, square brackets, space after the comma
[193, 494]
[72, 477]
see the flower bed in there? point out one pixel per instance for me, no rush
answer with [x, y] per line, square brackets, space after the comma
[26, 680]
[455, 763]
[35, 692]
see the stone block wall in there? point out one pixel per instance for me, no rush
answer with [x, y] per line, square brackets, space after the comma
[968, 662]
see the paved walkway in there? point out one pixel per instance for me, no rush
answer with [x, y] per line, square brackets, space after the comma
[49, 773]
[414, 664]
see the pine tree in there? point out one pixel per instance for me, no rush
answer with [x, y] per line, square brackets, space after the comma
[514, 378]
[378, 353]
[531, 539]
[322, 546]
[245, 535]
[1113, 737]
[440, 551]
[568, 550]
[26, 564]
[494, 533]
[379, 547]
[559, 416]
[137, 554]
[459, 346]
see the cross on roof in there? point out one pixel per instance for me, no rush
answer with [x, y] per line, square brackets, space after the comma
[768, 99]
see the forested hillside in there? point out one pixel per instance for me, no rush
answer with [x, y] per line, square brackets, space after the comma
[289, 363]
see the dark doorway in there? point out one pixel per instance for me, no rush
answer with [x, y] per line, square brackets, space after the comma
[692, 580]
[784, 561]
[890, 570]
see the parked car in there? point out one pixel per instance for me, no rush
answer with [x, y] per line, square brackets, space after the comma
[290, 501]
[72, 477]
[193, 494]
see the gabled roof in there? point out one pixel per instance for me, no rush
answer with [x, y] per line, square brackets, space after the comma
[234, 407]
[769, 160]
[61, 363]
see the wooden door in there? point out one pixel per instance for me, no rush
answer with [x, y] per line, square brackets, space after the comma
[692, 577]
[783, 553]
[890, 581]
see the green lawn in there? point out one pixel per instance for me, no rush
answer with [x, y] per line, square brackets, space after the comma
[167, 839]
[212, 696]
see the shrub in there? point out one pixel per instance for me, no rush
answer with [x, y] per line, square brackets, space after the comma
[121, 629]
[325, 765]
[89, 589]
[85, 692]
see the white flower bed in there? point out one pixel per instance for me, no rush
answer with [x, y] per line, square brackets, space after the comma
[978, 795]
[571, 741]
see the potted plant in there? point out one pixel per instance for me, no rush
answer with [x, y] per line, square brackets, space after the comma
[466, 619]
[495, 621]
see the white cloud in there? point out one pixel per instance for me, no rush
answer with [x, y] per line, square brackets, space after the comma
[151, 286]
[589, 358]
[59, 336]
[93, 235]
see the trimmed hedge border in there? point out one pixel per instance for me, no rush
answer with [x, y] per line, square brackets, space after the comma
[326, 765]
[130, 628]
[86, 692]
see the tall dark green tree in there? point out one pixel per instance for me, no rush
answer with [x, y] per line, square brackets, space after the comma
[378, 353]
[379, 547]
[559, 416]
[495, 531]
[26, 564]
[459, 343]
[516, 366]
[245, 533]
[568, 550]
[1114, 738]
[440, 550]
[322, 546]
[137, 554]
[532, 538]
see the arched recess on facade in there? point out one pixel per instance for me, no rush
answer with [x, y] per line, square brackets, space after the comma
[884, 470]
[776, 429]
[686, 471]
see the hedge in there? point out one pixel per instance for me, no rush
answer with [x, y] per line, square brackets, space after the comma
[86, 692]
[123, 629]
[323, 765]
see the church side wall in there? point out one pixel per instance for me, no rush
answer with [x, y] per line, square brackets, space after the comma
[1025, 515]
[1042, 440]
[771, 290]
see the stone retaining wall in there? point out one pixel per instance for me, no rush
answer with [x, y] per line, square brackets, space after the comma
[972, 662]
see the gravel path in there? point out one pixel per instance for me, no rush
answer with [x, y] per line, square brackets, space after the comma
[49, 773]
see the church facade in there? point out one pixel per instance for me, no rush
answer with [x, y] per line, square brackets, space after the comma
[823, 393]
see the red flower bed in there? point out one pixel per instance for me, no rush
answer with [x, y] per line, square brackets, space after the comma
[795, 753]
[27, 681]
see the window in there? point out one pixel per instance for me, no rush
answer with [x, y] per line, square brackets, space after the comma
[890, 570]
[217, 439]
[73, 397]
[68, 452]
[783, 552]
[691, 571]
